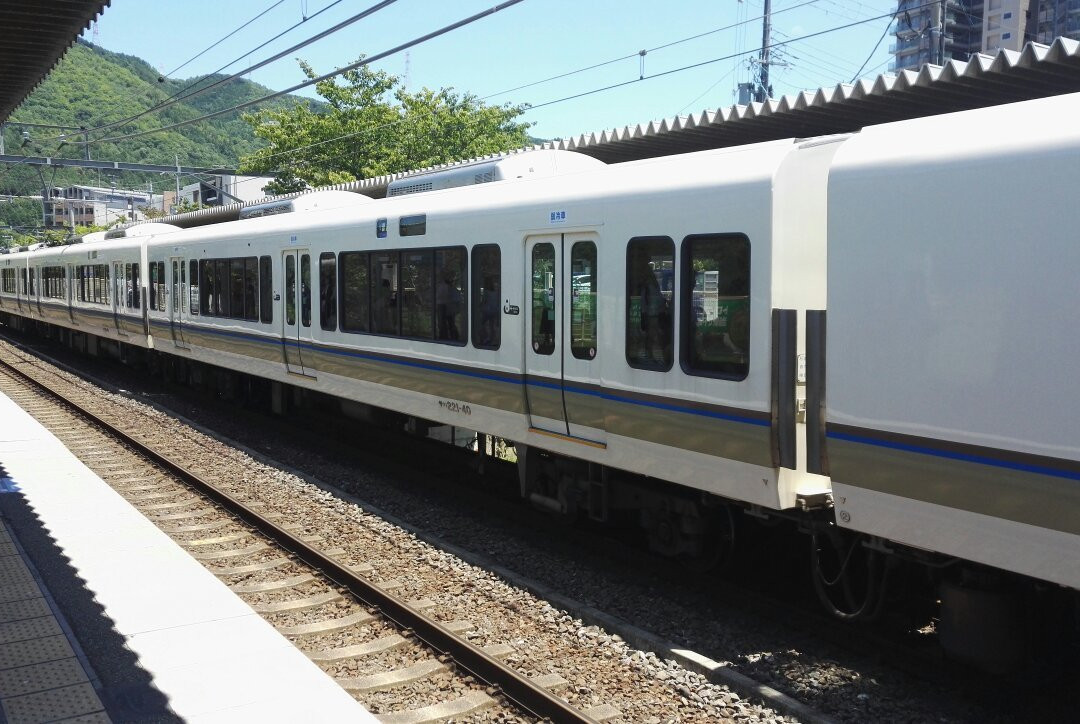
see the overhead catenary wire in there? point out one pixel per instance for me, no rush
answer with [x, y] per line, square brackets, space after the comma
[277, 56]
[326, 76]
[636, 54]
[596, 90]
[222, 40]
[235, 60]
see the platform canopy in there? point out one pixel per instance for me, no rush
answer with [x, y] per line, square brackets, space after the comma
[33, 37]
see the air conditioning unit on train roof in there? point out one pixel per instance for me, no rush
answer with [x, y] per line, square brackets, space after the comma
[330, 199]
[529, 164]
[137, 230]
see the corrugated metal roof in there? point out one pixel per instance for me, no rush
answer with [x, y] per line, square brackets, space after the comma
[985, 80]
[33, 37]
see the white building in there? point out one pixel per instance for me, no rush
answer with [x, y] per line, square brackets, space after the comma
[98, 206]
[235, 188]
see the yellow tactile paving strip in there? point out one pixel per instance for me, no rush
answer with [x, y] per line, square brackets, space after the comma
[41, 679]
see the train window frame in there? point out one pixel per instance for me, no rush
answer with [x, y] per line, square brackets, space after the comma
[588, 351]
[194, 287]
[412, 225]
[543, 337]
[266, 289]
[328, 281]
[688, 318]
[455, 313]
[483, 306]
[636, 361]
[345, 262]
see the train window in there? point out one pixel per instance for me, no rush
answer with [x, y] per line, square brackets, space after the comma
[650, 285]
[136, 290]
[355, 299]
[305, 290]
[183, 294]
[486, 296]
[127, 286]
[33, 273]
[176, 293]
[153, 285]
[583, 300]
[193, 290]
[290, 290]
[236, 288]
[328, 291]
[251, 288]
[543, 298]
[222, 299]
[206, 286]
[266, 290]
[415, 225]
[416, 294]
[161, 286]
[450, 306]
[384, 293]
[8, 281]
[715, 309]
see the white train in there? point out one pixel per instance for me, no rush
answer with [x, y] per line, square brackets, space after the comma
[872, 332]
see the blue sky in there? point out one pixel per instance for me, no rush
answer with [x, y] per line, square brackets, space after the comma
[528, 42]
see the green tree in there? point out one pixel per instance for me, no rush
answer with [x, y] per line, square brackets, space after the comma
[370, 126]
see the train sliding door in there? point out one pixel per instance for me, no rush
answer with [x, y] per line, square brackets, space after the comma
[296, 310]
[119, 297]
[177, 300]
[561, 372]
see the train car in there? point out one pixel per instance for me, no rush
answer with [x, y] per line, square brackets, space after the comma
[860, 333]
[622, 316]
[951, 418]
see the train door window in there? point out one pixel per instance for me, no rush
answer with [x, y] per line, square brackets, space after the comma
[236, 288]
[183, 294]
[161, 286]
[328, 291]
[583, 300]
[355, 292]
[136, 290]
[543, 298]
[290, 290]
[384, 293]
[450, 284]
[176, 286]
[417, 299]
[266, 289]
[486, 296]
[715, 309]
[650, 285]
[153, 285]
[305, 289]
[33, 273]
[127, 286]
[222, 300]
[193, 289]
[251, 288]
[206, 287]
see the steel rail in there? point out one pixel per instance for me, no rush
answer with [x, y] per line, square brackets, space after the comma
[515, 686]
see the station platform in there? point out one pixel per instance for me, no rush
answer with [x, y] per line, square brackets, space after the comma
[104, 618]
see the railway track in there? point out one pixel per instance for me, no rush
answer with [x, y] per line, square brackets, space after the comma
[407, 659]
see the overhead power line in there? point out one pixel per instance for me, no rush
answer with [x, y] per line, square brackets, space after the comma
[254, 50]
[222, 40]
[326, 76]
[176, 98]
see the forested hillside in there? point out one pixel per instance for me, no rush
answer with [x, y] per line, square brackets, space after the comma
[92, 86]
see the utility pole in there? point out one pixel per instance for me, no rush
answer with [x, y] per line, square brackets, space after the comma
[764, 90]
